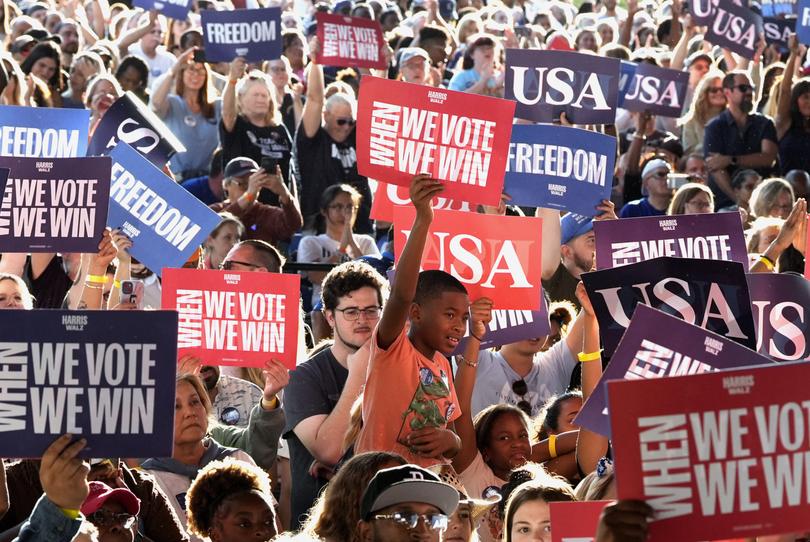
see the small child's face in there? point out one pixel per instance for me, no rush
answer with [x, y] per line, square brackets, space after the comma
[443, 321]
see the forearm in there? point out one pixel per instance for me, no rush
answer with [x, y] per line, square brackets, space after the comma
[723, 182]
[159, 101]
[551, 241]
[93, 294]
[13, 262]
[229, 106]
[634, 154]
[74, 295]
[627, 29]
[563, 443]
[123, 272]
[410, 261]
[756, 160]
[327, 446]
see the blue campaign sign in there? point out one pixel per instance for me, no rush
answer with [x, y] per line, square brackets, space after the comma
[174, 9]
[165, 222]
[626, 76]
[106, 376]
[43, 132]
[658, 90]
[803, 22]
[251, 33]
[559, 168]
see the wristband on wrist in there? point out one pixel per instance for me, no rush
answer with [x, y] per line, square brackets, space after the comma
[552, 446]
[93, 286]
[233, 81]
[117, 284]
[250, 197]
[474, 336]
[71, 513]
[590, 356]
[270, 405]
[767, 262]
[97, 279]
[467, 362]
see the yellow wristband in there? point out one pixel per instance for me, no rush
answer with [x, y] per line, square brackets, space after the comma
[97, 279]
[117, 284]
[70, 513]
[552, 446]
[767, 262]
[270, 405]
[591, 356]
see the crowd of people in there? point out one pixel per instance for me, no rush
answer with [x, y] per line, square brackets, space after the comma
[380, 433]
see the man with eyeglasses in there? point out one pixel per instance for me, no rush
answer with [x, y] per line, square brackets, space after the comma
[322, 390]
[657, 193]
[114, 512]
[253, 255]
[737, 138]
[406, 503]
[326, 148]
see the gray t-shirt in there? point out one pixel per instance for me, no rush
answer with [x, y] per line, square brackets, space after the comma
[549, 376]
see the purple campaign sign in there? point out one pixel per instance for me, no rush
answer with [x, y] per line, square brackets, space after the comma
[735, 28]
[559, 168]
[251, 33]
[106, 376]
[658, 90]
[174, 9]
[781, 301]
[778, 30]
[711, 294]
[657, 345]
[54, 204]
[547, 83]
[716, 236]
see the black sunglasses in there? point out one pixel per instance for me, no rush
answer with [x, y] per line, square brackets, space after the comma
[745, 88]
[344, 122]
[520, 388]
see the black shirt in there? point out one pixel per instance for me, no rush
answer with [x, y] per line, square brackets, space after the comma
[51, 287]
[314, 389]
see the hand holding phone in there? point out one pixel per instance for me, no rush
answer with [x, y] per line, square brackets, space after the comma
[132, 292]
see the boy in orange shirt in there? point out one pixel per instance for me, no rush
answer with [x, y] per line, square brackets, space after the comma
[409, 402]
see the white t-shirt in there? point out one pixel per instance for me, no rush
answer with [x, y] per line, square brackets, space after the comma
[550, 375]
[160, 64]
[321, 248]
[477, 479]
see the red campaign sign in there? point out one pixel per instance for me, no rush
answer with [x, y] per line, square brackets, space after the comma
[386, 196]
[350, 41]
[493, 256]
[234, 318]
[459, 138]
[575, 521]
[717, 455]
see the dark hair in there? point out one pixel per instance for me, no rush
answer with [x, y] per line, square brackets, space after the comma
[45, 49]
[432, 284]
[800, 87]
[557, 489]
[349, 277]
[432, 32]
[485, 421]
[328, 196]
[215, 166]
[135, 63]
[544, 488]
[288, 35]
[549, 417]
[186, 36]
[728, 80]
[741, 176]
[270, 257]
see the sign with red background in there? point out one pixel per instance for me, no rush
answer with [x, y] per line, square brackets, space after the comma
[387, 196]
[575, 521]
[350, 41]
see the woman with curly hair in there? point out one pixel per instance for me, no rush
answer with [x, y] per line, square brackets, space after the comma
[230, 501]
[708, 103]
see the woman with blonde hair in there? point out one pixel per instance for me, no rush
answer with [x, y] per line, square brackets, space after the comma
[772, 197]
[692, 199]
[14, 293]
[252, 127]
[709, 102]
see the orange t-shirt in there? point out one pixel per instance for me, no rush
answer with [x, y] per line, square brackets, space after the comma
[405, 391]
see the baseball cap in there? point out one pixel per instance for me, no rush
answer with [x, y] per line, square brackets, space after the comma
[101, 493]
[239, 166]
[573, 225]
[21, 43]
[652, 166]
[408, 53]
[407, 483]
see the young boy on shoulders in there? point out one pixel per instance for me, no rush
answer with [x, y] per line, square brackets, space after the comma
[409, 403]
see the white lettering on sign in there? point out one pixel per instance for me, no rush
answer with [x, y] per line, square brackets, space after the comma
[561, 80]
[557, 161]
[36, 142]
[709, 247]
[236, 33]
[665, 469]
[653, 91]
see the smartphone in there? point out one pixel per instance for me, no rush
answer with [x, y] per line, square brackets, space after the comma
[269, 164]
[132, 292]
[199, 56]
[523, 32]
[677, 180]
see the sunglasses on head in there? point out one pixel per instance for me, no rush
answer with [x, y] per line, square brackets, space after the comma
[520, 388]
[345, 121]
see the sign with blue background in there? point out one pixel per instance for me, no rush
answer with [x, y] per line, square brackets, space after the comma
[254, 34]
[43, 132]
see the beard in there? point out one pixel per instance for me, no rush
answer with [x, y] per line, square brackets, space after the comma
[746, 106]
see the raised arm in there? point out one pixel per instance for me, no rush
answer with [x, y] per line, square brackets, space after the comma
[782, 120]
[551, 241]
[131, 36]
[229, 97]
[423, 189]
[313, 108]
[93, 292]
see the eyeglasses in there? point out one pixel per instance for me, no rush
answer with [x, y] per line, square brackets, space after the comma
[345, 121]
[341, 207]
[520, 388]
[228, 265]
[353, 313]
[661, 174]
[278, 69]
[745, 87]
[410, 520]
[104, 518]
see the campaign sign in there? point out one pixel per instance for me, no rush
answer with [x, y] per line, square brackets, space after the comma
[43, 132]
[715, 455]
[559, 168]
[575, 521]
[350, 41]
[774, 8]
[807, 251]
[781, 302]
[735, 28]
[108, 377]
[657, 345]
[803, 22]
[660, 91]
[129, 121]
[165, 222]
[717, 236]
[254, 34]
[547, 83]
[702, 11]
[234, 318]
[627, 74]
[174, 9]
[493, 256]
[46, 207]
[708, 293]
[387, 196]
[778, 30]
[459, 138]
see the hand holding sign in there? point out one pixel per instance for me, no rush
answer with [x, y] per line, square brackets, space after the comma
[276, 378]
[480, 316]
[624, 521]
[423, 190]
[63, 475]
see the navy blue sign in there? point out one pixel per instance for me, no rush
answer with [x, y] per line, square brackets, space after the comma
[251, 33]
[43, 132]
[165, 222]
[174, 9]
[129, 121]
[803, 22]
[106, 376]
[711, 294]
[559, 168]
[735, 28]
[778, 30]
[626, 76]
[54, 205]
[658, 90]
[547, 83]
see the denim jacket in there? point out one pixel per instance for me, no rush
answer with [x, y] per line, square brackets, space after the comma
[47, 523]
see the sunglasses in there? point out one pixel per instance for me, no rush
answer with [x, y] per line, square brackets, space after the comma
[745, 88]
[228, 265]
[520, 388]
[345, 121]
[103, 518]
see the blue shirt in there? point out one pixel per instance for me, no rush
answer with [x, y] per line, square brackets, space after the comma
[47, 523]
[464, 79]
[639, 207]
[199, 134]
